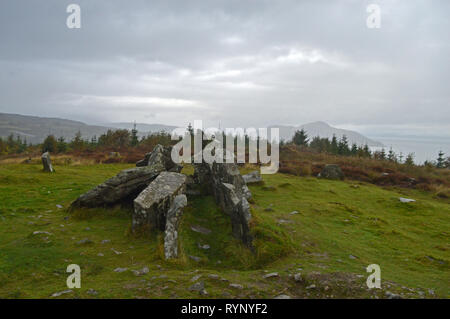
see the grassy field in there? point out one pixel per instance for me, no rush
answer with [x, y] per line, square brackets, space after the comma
[340, 228]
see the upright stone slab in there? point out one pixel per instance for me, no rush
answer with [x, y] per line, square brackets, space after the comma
[153, 203]
[253, 177]
[162, 155]
[230, 191]
[126, 183]
[47, 163]
[172, 222]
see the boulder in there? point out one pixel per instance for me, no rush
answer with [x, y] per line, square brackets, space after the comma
[172, 222]
[160, 155]
[331, 171]
[153, 203]
[230, 191]
[47, 163]
[127, 183]
[253, 177]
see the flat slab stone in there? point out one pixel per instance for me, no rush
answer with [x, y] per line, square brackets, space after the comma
[200, 229]
[153, 203]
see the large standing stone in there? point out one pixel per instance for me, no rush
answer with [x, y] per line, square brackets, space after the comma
[153, 203]
[253, 177]
[160, 155]
[47, 163]
[331, 171]
[126, 183]
[172, 222]
[230, 191]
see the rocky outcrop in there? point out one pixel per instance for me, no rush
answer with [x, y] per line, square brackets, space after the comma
[253, 177]
[126, 183]
[47, 163]
[173, 220]
[228, 187]
[331, 171]
[153, 203]
[162, 156]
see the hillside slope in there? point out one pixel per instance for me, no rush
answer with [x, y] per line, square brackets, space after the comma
[340, 229]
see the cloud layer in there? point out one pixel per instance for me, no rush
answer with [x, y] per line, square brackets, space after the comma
[240, 63]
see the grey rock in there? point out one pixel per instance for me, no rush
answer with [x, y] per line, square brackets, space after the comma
[120, 269]
[273, 274]
[195, 258]
[205, 247]
[311, 287]
[126, 183]
[391, 295]
[141, 272]
[331, 171]
[298, 277]
[85, 241]
[283, 297]
[57, 294]
[198, 286]
[200, 229]
[92, 292]
[195, 278]
[105, 241]
[253, 177]
[39, 232]
[352, 257]
[59, 206]
[294, 213]
[47, 163]
[153, 203]
[406, 200]
[226, 184]
[236, 286]
[161, 156]
[213, 276]
[172, 222]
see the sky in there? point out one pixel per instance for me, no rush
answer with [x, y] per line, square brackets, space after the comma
[250, 63]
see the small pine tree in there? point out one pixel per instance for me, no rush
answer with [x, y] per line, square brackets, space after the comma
[392, 157]
[343, 146]
[134, 137]
[409, 161]
[334, 145]
[300, 138]
[440, 162]
[61, 146]
[49, 145]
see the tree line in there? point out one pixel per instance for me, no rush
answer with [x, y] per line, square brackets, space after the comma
[342, 147]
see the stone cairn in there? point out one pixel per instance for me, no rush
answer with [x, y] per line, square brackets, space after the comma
[157, 189]
[47, 163]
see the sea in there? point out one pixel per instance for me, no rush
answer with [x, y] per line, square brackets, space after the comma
[424, 148]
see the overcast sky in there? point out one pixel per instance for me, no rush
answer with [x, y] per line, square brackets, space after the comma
[243, 63]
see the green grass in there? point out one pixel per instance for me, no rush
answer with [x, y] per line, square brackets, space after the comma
[409, 241]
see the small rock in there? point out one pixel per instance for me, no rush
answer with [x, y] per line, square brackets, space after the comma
[57, 294]
[406, 200]
[195, 278]
[116, 252]
[431, 291]
[120, 269]
[100, 255]
[352, 257]
[84, 241]
[205, 247]
[391, 295]
[273, 274]
[92, 292]
[213, 276]
[298, 277]
[294, 212]
[195, 258]
[87, 228]
[198, 286]
[59, 206]
[105, 241]
[141, 272]
[311, 287]
[283, 297]
[200, 229]
[38, 232]
[237, 286]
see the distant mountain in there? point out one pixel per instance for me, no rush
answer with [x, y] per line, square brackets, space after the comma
[324, 130]
[36, 129]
